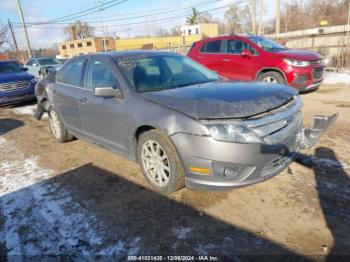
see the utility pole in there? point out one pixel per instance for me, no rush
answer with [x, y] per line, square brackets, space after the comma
[100, 3]
[278, 16]
[254, 18]
[13, 36]
[261, 14]
[19, 9]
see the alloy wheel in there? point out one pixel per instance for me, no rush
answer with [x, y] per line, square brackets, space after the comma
[270, 79]
[155, 163]
[55, 124]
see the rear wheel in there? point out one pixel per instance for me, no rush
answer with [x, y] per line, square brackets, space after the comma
[57, 127]
[159, 161]
[272, 77]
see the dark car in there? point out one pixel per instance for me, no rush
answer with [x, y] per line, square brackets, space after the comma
[16, 85]
[179, 120]
[252, 57]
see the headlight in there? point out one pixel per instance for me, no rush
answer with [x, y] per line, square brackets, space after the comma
[230, 132]
[296, 63]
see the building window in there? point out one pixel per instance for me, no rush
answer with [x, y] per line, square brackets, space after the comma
[189, 31]
[197, 31]
[71, 45]
[80, 45]
[64, 47]
[88, 43]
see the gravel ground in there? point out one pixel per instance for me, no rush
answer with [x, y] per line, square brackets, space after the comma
[76, 199]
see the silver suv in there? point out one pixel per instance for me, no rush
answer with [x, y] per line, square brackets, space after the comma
[184, 124]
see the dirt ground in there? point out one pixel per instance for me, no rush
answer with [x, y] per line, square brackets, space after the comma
[76, 199]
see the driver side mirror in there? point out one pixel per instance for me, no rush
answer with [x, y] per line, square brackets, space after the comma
[246, 53]
[25, 69]
[108, 91]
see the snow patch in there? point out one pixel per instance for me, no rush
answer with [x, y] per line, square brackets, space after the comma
[24, 110]
[333, 78]
[40, 217]
[182, 232]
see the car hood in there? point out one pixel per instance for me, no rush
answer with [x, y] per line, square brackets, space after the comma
[14, 77]
[299, 54]
[223, 99]
[51, 66]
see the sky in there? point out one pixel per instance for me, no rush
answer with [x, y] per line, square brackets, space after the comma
[48, 35]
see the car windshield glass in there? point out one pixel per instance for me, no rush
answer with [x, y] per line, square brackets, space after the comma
[47, 61]
[6, 68]
[159, 72]
[267, 44]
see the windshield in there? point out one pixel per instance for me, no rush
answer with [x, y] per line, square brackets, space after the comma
[267, 44]
[12, 67]
[47, 61]
[163, 72]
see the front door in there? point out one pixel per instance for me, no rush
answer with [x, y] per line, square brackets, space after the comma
[235, 66]
[104, 119]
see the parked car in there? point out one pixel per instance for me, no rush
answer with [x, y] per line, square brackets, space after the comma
[41, 67]
[252, 57]
[16, 85]
[184, 124]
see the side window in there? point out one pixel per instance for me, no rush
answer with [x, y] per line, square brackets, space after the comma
[211, 47]
[235, 46]
[30, 62]
[100, 75]
[72, 72]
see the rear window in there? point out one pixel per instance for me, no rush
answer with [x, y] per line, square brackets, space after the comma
[211, 47]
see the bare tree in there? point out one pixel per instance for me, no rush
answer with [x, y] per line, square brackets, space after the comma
[3, 36]
[238, 19]
[81, 30]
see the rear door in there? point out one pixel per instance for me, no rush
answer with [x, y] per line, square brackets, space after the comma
[210, 55]
[68, 88]
[234, 65]
[104, 119]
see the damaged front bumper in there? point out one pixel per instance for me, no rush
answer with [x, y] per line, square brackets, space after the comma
[229, 165]
[309, 136]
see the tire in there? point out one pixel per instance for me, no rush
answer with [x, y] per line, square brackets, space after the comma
[57, 128]
[164, 175]
[272, 77]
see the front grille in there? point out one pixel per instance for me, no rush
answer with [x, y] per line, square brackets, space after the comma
[13, 86]
[317, 73]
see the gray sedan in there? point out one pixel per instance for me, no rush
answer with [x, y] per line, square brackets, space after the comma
[184, 124]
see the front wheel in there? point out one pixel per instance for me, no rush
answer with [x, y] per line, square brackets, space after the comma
[159, 161]
[57, 127]
[272, 77]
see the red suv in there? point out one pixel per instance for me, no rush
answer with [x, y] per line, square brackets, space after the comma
[252, 57]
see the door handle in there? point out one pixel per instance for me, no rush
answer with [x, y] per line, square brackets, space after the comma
[200, 57]
[226, 60]
[83, 100]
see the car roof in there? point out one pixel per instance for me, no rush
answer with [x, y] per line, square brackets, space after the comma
[120, 54]
[223, 37]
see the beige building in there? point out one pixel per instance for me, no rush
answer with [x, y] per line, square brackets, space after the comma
[189, 34]
[73, 48]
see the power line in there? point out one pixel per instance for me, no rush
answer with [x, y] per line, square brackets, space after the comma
[145, 15]
[154, 20]
[76, 15]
